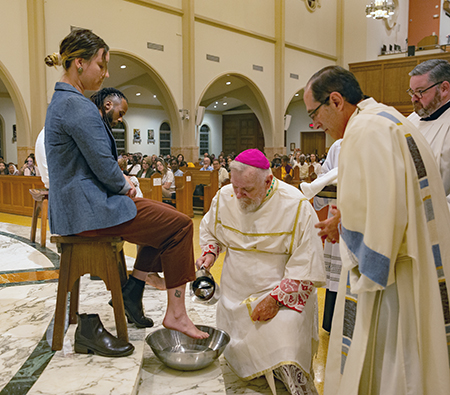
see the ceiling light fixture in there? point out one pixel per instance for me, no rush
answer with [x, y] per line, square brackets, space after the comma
[123, 66]
[228, 83]
[154, 96]
[138, 94]
[380, 9]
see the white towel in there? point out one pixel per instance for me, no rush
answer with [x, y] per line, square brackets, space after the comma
[312, 189]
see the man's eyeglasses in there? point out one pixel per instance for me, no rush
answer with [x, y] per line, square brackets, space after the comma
[312, 114]
[419, 92]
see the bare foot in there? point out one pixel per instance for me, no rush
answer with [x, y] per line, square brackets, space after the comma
[154, 280]
[184, 325]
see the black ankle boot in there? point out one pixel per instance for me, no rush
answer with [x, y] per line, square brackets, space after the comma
[132, 293]
[92, 338]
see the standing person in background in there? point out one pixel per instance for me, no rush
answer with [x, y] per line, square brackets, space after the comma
[391, 320]
[81, 155]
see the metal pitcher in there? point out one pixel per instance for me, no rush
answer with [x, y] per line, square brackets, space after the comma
[204, 289]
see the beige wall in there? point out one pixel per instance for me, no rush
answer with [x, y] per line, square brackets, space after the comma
[313, 30]
[251, 15]
[241, 32]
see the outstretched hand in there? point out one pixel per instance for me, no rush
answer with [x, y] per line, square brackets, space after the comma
[266, 309]
[329, 228]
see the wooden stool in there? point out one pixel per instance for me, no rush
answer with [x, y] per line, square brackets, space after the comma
[100, 256]
[40, 206]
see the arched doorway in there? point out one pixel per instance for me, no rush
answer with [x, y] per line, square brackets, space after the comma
[150, 103]
[237, 115]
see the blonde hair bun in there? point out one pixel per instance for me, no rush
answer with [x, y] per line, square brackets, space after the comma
[53, 60]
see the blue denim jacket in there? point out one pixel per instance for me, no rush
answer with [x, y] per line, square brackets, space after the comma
[87, 187]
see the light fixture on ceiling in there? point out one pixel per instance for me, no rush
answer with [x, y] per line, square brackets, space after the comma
[138, 94]
[380, 9]
[123, 66]
[154, 96]
[228, 83]
[296, 94]
[224, 103]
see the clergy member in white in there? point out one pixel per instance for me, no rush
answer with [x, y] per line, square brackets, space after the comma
[274, 263]
[392, 320]
[430, 95]
[331, 252]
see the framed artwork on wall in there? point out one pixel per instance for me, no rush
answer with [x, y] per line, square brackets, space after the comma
[136, 136]
[150, 136]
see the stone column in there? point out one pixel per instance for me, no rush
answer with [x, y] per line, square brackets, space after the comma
[189, 147]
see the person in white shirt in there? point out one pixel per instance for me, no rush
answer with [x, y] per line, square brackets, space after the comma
[430, 95]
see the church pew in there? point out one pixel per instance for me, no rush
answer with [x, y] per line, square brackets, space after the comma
[15, 197]
[184, 191]
[210, 180]
[152, 187]
[183, 195]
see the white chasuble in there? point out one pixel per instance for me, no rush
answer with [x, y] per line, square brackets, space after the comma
[277, 241]
[391, 325]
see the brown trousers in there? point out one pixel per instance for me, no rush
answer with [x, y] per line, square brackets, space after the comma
[164, 236]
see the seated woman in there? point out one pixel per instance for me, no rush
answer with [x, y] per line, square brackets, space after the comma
[30, 168]
[181, 161]
[123, 163]
[13, 169]
[134, 168]
[146, 170]
[286, 170]
[3, 169]
[168, 179]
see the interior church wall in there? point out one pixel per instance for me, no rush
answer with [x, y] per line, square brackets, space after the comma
[14, 45]
[312, 30]
[214, 122]
[129, 34]
[251, 15]
[8, 115]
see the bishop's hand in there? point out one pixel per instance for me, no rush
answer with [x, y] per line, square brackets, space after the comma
[266, 309]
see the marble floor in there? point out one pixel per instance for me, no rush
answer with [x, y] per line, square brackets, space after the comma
[28, 282]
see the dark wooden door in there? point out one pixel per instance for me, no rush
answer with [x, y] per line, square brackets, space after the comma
[241, 132]
[313, 142]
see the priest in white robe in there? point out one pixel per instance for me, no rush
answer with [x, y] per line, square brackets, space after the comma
[391, 325]
[331, 252]
[274, 263]
[430, 95]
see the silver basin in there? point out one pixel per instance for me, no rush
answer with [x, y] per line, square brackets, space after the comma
[181, 352]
